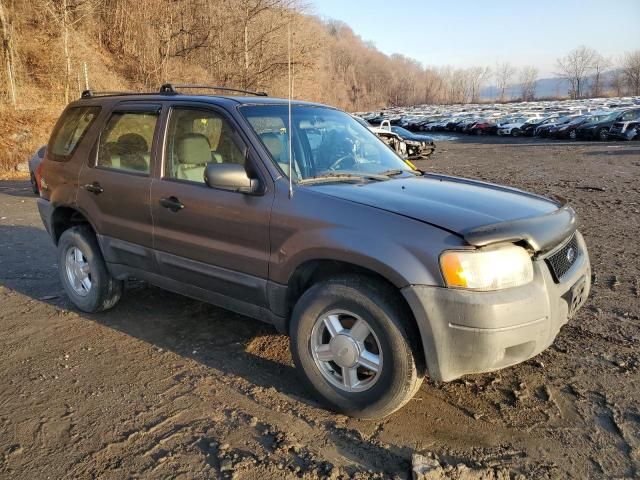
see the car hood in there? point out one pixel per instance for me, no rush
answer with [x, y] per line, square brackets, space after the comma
[480, 212]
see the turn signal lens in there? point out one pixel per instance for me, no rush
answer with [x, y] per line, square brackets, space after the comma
[487, 269]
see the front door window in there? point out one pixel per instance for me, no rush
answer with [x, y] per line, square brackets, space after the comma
[196, 138]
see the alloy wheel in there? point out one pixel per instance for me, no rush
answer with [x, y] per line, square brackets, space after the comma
[78, 271]
[346, 350]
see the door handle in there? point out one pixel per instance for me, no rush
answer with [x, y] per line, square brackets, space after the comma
[94, 188]
[172, 203]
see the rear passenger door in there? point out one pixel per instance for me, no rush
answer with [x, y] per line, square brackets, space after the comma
[214, 239]
[115, 184]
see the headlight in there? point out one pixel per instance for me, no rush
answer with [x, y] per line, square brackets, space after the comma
[487, 269]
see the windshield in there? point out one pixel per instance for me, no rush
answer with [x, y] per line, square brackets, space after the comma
[326, 142]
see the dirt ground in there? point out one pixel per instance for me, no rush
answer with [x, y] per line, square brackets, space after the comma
[164, 386]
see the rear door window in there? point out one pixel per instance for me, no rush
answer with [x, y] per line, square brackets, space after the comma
[70, 131]
[125, 143]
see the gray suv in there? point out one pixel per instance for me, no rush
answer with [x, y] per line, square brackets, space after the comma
[299, 216]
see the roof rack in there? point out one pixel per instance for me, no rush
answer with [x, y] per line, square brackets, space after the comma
[96, 93]
[171, 89]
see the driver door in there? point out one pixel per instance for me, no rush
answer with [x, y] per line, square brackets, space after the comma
[213, 239]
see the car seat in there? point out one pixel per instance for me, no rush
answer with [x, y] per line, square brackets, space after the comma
[194, 153]
[134, 152]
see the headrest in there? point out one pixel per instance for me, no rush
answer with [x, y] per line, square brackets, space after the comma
[194, 149]
[274, 145]
[131, 143]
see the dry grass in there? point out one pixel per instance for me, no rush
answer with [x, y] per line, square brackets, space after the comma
[21, 133]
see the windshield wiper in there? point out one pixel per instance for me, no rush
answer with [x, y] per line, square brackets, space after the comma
[342, 177]
[397, 171]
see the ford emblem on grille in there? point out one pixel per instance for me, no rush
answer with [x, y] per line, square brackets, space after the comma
[571, 255]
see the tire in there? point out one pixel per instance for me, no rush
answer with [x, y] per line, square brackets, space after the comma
[102, 291]
[34, 185]
[515, 132]
[352, 298]
[603, 135]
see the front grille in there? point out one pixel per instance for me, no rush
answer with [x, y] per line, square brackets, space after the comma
[562, 261]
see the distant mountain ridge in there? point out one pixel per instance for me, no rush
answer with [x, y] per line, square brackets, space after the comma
[546, 87]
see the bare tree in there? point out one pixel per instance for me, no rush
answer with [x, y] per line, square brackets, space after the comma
[616, 82]
[8, 53]
[69, 13]
[631, 71]
[575, 68]
[477, 77]
[600, 64]
[504, 73]
[528, 83]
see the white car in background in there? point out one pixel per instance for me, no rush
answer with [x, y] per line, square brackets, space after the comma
[514, 127]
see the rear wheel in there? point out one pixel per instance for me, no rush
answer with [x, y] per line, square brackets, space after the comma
[351, 340]
[83, 272]
[573, 135]
[515, 132]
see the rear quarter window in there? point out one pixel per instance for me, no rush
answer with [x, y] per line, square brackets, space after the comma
[70, 130]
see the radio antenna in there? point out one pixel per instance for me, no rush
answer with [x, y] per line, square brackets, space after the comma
[290, 130]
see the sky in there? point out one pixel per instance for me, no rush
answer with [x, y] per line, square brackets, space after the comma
[465, 33]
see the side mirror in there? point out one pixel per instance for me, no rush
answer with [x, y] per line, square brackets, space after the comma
[231, 176]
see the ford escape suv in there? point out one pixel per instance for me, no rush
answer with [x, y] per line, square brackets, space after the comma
[300, 216]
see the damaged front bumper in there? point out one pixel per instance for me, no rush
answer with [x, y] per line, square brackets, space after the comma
[467, 331]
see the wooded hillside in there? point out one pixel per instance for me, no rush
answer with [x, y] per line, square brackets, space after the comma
[54, 49]
[138, 44]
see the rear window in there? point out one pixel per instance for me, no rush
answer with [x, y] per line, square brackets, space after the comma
[70, 131]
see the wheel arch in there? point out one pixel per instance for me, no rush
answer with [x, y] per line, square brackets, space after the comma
[64, 217]
[314, 271]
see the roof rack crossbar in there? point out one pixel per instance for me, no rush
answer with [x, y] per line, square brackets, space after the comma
[171, 89]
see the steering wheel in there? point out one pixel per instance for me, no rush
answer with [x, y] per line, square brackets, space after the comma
[334, 166]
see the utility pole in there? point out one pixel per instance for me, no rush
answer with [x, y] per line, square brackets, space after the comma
[86, 76]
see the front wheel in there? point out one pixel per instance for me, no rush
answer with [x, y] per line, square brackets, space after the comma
[573, 135]
[351, 340]
[515, 132]
[83, 272]
[603, 134]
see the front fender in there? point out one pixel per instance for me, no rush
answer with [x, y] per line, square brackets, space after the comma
[389, 259]
[313, 226]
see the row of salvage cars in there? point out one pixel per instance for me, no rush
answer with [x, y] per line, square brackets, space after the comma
[592, 119]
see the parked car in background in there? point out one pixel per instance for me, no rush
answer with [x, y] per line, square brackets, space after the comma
[626, 126]
[544, 129]
[569, 130]
[483, 127]
[529, 129]
[599, 130]
[418, 146]
[514, 126]
[34, 163]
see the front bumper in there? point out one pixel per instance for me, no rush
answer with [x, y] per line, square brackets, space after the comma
[472, 332]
